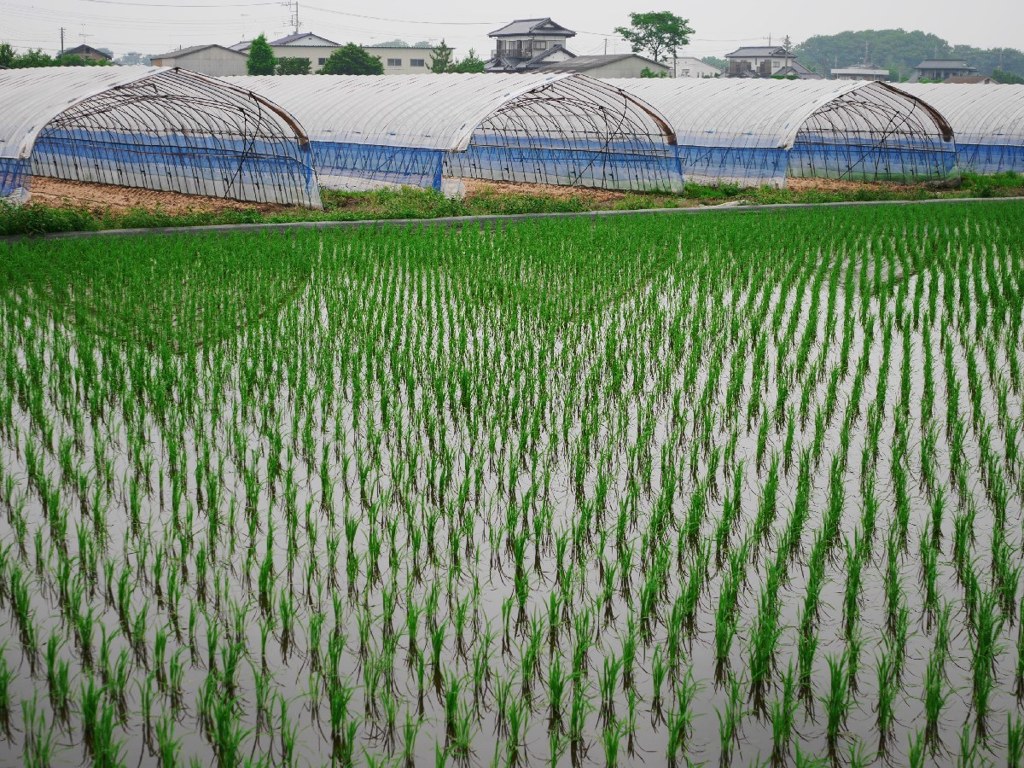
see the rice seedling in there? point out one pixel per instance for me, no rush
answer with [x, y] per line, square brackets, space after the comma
[551, 466]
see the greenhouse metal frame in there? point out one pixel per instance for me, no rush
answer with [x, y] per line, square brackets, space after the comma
[421, 130]
[754, 132]
[151, 128]
[988, 120]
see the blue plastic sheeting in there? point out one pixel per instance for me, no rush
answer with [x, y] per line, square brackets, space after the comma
[748, 167]
[614, 167]
[895, 161]
[991, 158]
[12, 176]
[194, 164]
[343, 165]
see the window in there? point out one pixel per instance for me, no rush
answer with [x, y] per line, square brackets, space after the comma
[394, 62]
[417, 62]
[321, 61]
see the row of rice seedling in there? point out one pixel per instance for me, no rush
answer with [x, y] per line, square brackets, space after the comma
[735, 489]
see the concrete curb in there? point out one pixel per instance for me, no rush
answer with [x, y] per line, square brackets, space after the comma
[458, 221]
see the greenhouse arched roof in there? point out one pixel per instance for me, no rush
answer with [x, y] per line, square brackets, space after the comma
[424, 111]
[980, 114]
[150, 127]
[755, 112]
[554, 128]
[755, 132]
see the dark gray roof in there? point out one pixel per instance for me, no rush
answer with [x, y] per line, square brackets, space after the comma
[586, 63]
[80, 50]
[288, 39]
[192, 49]
[760, 51]
[532, 27]
[944, 64]
[798, 69]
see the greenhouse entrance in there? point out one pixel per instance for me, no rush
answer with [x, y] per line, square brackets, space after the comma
[168, 130]
[874, 133]
[573, 132]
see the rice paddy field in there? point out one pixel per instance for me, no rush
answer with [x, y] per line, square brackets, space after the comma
[731, 489]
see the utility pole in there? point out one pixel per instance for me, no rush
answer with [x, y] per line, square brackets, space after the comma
[295, 17]
[62, 41]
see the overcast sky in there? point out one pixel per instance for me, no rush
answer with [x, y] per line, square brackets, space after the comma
[157, 26]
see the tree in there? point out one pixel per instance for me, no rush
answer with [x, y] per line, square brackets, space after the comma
[441, 58]
[469, 65]
[352, 60]
[7, 55]
[293, 65]
[133, 57]
[658, 33]
[1006, 77]
[648, 73]
[261, 57]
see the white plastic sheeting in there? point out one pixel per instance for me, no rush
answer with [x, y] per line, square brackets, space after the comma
[988, 121]
[743, 131]
[555, 128]
[154, 128]
[421, 111]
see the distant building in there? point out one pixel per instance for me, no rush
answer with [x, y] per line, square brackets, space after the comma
[526, 44]
[759, 60]
[610, 66]
[688, 66]
[304, 45]
[874, 74]
[797, 71]
[213, 60]
[88, 53]
[939, 70]
[402, 60]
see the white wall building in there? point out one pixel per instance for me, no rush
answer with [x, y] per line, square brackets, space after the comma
[213, 60]
[875, 74]
[688, 66]
[401, 60]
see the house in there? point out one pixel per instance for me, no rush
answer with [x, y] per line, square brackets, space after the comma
[975, 80]
[525, 44]
[402, 60]
[797, 71]
[608, 66]
[874, 74]
[301, 45]
[688, 66]
[213, 60]
[88, 53]
[759, 61]
[937, 70]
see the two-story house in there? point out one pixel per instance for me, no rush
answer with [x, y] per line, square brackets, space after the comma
[938, 70]
[526, 44]
[758, 60]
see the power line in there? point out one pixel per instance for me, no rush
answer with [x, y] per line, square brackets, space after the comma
[406, 21]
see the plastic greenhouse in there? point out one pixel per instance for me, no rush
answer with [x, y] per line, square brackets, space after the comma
[988, 120]
[755, 132]
[418, 130]
[162, 129]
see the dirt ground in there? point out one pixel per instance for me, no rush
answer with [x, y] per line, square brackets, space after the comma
[840, 185]
[477, 188]
[103, 197]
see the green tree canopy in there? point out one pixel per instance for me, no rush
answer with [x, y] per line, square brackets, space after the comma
[901, 51]
[261, 57]
[469, 65]
[442, 57]
[352, 60]
[657, 33]
[293, 65]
